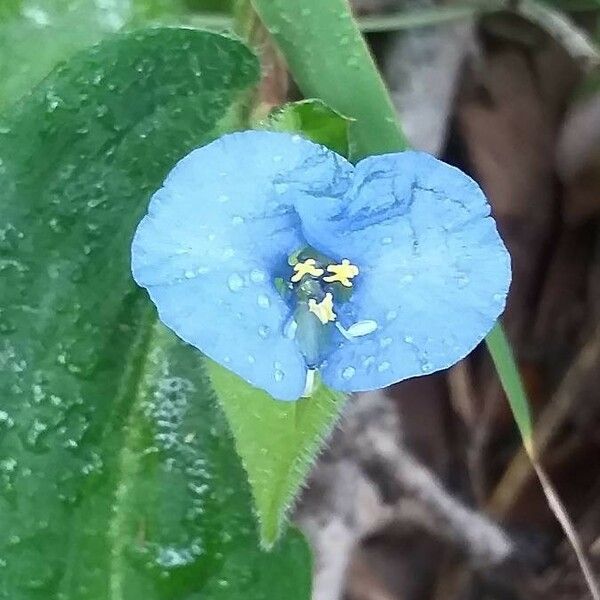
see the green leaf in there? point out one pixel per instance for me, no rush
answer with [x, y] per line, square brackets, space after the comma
[118, 476]
[277, 441]
[330, 60]
[62, 27]
[315, 120]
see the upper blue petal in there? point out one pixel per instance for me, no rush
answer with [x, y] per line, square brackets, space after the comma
[434, 272]
[215, 236]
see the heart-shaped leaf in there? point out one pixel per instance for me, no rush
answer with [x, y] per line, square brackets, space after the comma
[118, 478]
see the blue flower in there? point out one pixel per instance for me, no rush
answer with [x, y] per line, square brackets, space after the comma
[278, 258]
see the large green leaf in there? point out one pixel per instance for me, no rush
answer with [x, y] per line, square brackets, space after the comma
[118, 478]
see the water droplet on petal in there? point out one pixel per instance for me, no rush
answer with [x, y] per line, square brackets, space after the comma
[463, 280]
[384, 366]
[385, 241]
[237, 220]
[290, 329]
[385, 342]
[348, 372]
[223, 198]
[263, 331]
[235, 282]
[407, 278]
[368, 362]
[498, 297]
[392, 314]
[257, 276]
[281, 188]
[189, 274]
[278, 375]
[251, 359]
[426, 367]
[408, 339]
[263, 301]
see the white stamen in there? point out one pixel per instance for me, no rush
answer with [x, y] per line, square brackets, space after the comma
[361, 328]
[343, 331]
[357, 329]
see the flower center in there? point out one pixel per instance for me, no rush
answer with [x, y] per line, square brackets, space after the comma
[316, 286]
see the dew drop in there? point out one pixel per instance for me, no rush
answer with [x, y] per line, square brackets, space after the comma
[223, 198]
[235, 282]
[251, 359]
[426, 367]
[189, 274]
[263, 331]
[257, 276]
[384, 366]
[237, 220]
[392, 314]
[348, 373]
[281, 188]
[385, 241]
[407, 278]
[228, 253]
[290, 329]
[263, 301]
[385, 342]
[463, 281]
[368, 362]
[408, 339]
[498, 297]
[278, 375]
[277, 158]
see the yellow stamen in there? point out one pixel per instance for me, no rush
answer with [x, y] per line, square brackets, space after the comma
[307, 267]
[342, 273]
[324, 309]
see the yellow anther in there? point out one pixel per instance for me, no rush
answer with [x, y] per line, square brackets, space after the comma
[307, 267]
[342, 273]
[324, 309]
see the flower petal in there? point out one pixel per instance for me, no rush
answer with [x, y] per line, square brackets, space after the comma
[215, 237]
[434, 272]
